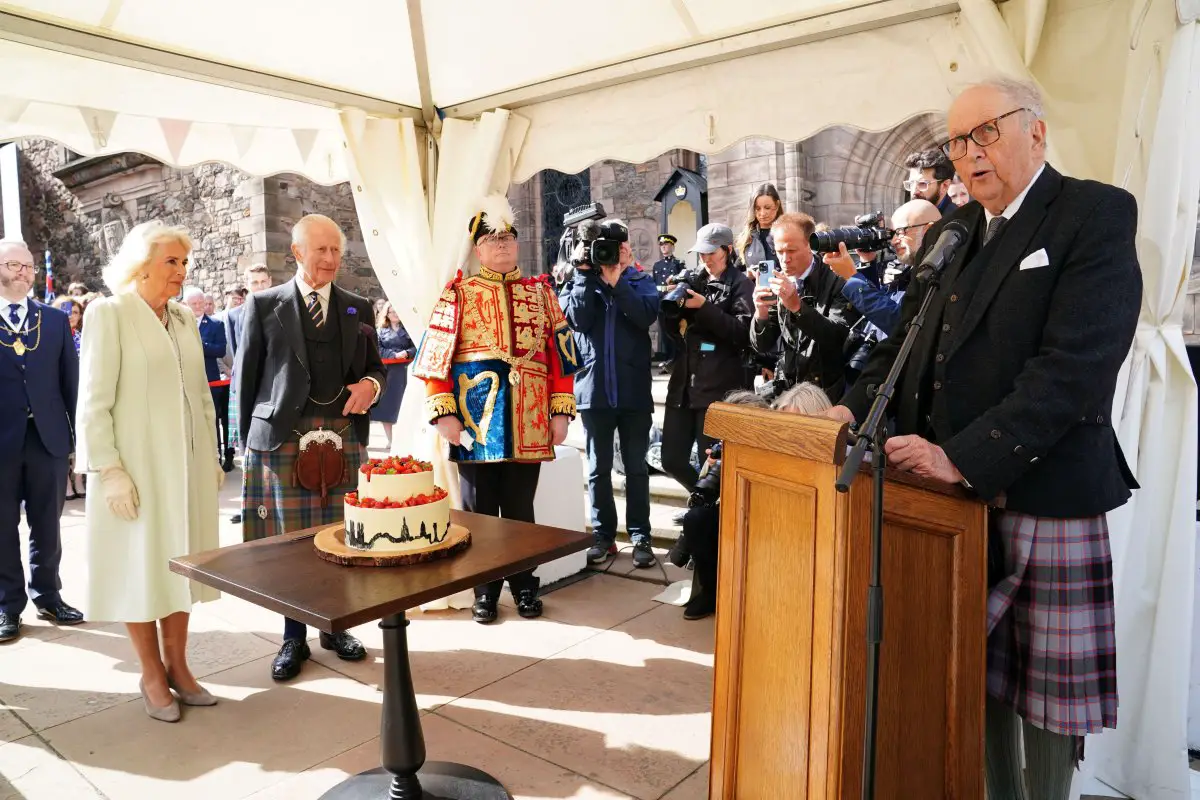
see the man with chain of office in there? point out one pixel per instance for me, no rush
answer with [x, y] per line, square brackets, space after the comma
[497, 360]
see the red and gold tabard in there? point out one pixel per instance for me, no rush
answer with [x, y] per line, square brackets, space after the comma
[499, 355]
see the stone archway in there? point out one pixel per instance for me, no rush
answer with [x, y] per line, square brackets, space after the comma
[886, 171]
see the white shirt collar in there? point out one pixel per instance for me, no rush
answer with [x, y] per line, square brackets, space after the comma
[1015, 205]
[306, 290]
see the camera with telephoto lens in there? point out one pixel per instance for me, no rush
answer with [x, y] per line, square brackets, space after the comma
[694, 278]
[708, 487]
[868, 233]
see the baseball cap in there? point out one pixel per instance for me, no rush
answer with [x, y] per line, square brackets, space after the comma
[712, 237]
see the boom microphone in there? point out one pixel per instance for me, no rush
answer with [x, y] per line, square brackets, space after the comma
[943, 251]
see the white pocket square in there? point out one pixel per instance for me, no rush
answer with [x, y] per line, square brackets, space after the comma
[1035, 260]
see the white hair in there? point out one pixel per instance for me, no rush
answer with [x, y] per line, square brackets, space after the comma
[300, 229]
[121, 274]
[803, 398]
[193, 291]
[1024, 94]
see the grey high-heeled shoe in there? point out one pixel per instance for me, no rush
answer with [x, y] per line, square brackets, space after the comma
[200, 698]
[168, 713]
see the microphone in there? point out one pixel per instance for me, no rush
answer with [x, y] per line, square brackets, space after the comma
[943, 251]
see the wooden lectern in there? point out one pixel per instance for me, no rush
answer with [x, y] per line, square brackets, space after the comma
[790, 672]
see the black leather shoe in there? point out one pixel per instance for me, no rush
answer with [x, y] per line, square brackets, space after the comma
[291, 657]
[346, 646]
[528, 604]
[236, 519]
[701, 606]
[227, 461]
[60, 614]
[484, 610]
[10, 627]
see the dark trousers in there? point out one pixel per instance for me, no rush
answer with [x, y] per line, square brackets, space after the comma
[633, 428]
[38, 479]
[701, 526]
[501, 489]
[682, 428]
[220, 396]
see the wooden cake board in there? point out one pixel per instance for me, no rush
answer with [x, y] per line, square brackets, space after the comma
[331, 546]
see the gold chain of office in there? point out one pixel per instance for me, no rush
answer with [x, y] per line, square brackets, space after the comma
[515, 364]
[19, 347]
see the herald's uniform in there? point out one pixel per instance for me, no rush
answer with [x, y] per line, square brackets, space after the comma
[499, 355]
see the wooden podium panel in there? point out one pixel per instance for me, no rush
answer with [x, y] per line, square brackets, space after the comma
[790, 674]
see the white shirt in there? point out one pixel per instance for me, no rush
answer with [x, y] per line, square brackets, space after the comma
[22, 312]
[322, 294]
[1015, 205]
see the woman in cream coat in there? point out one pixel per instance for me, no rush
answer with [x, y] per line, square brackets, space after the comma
[146, 425]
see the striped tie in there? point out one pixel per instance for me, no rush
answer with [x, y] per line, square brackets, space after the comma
[993, 227]
[314, 309]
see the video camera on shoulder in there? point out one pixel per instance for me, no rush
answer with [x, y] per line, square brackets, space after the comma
[868, 233]
[587, 242]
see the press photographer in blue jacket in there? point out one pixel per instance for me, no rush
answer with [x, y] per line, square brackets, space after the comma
[611, 308]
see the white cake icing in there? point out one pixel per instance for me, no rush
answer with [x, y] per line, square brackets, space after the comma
[395, 530]
[397, 487]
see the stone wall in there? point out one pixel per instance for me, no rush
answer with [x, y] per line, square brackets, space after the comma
[627, 193]
[81, 210]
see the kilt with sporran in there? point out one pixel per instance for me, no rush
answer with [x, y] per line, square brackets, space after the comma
[273, 504]
[1052, 648]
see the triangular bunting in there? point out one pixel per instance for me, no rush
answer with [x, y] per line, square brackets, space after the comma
[11, 109]
[176, 131]
[99, 123]
[305, 139]
[243, 138]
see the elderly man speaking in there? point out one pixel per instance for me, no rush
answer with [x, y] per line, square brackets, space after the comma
[1008, 393]
[307, 360]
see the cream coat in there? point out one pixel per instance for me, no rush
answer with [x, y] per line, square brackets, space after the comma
[134, 412]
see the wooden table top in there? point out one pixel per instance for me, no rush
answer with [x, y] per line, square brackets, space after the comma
[285, 574]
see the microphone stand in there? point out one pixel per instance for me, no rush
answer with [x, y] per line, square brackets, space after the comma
[871, 435]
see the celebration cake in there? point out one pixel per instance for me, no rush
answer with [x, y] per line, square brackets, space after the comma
[397, 508]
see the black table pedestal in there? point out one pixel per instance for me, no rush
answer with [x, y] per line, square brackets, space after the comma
[404, 774]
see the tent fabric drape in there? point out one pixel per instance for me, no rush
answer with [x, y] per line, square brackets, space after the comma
[1153, 536]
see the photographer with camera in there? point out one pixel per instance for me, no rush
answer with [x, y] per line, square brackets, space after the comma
[880, 304]
[710, 307]
[802, 307]
[610, 304]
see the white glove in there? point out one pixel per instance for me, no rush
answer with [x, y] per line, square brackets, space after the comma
[120, 493]
[220, 476]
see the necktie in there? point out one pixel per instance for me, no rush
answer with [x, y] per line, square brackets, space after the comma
[314, 309]
[993, 227]
[13, 308]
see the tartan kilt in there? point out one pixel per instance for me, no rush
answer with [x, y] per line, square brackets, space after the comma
[235, 435]
[272, 505]
[1052, 647]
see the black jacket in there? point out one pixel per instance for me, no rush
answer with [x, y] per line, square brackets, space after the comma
[1016, 367]
[272, 363]
[709, 365]
[814, 338]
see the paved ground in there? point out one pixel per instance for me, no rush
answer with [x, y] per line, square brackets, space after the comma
[608, 696]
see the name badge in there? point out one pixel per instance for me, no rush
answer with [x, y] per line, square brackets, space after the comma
[707, 347]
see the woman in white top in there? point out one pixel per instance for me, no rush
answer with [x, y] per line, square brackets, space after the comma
[146, 425]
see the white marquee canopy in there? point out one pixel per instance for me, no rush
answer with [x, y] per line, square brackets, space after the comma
[425, 105]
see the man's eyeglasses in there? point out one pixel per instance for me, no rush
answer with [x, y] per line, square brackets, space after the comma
[904, 229]
[919, 185]
[984, 134]
[16, 266]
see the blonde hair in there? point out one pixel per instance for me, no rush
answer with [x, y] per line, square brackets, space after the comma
[803, 398]
[751, 224]
[137, 251]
